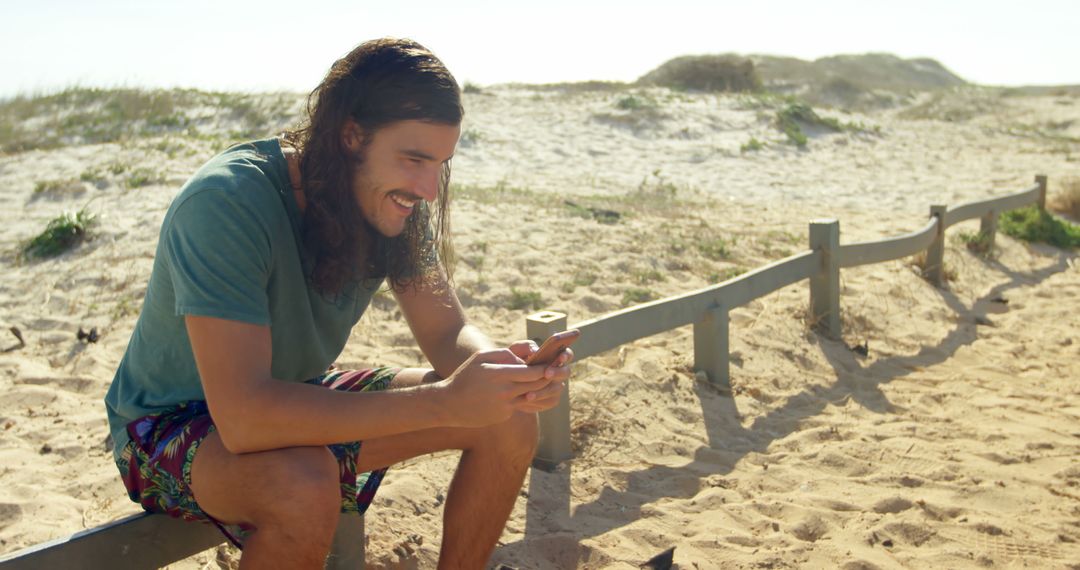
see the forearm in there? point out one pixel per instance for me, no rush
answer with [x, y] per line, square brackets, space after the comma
[457, 346]
[286, 414]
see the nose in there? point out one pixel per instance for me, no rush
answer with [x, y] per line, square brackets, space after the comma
[427, 185]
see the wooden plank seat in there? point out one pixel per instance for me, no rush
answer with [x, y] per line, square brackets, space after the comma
[146, 540]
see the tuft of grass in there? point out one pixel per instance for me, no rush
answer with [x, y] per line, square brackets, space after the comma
[635, 102]
[976, 242]
[56, 186]
[61, 234]
[637, 295]
[636, 111]
[716, 248]
[1067, 199]
[1033, 224]
[795, 115]
[581, 278]
[655, 185]
[920, 262]
[602, 215]
[520, 299]
[140, 177]
[791, 118]
[730, 273]
[646, 276]
[93, 176]
[471, 87]
[753, 145]
[724, 274]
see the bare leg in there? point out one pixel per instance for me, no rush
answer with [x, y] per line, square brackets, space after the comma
[292, 496]
[486, 484]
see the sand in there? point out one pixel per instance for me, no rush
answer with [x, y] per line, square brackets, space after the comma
[955, 443]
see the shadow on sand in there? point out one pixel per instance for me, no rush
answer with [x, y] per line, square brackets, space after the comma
[552, 528]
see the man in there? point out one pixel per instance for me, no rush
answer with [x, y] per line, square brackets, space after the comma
[222, 409]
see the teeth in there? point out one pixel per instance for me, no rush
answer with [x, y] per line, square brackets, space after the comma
[403, 202]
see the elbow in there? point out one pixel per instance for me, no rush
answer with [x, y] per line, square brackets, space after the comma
[234, 439]
[235, 429]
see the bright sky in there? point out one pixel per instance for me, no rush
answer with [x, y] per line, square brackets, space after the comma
[274, 44]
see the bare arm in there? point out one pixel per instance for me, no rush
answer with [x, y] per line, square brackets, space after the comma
[254, 412]
[438, 322]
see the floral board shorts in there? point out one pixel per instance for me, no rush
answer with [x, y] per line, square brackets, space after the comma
[156, 464]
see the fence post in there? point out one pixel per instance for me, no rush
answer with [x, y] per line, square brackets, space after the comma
[1040, 179]
[711, 346]
[825, 284]
[935, 255]
[554, 446]
[988, 229]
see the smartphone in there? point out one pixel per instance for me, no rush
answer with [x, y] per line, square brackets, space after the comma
[553, 346]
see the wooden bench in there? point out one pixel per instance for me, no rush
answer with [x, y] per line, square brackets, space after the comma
[145, 540]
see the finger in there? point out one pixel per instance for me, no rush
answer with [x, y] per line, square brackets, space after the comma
[545, 395]
[560, 373]
[534, 406]
[523, 348]
[497, 356]
[516, 372]
[519, 389]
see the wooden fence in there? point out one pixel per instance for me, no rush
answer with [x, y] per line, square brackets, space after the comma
[151, 540]
[708, 308]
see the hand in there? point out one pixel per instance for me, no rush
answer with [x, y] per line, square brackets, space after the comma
[489, 386]
[557, 372]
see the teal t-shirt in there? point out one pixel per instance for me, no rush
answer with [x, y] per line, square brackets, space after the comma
[230, 247]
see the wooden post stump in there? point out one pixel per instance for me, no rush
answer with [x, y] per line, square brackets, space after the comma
[825, 284]
[935, 254]
[711, 347]
[554, 446]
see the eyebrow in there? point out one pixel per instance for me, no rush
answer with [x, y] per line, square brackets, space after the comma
[423, 155]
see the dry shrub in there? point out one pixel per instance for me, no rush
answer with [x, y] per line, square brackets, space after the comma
[705, 73]
[920, 262]
[1067, 199]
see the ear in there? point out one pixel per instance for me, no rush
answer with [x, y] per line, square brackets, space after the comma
[352, 137]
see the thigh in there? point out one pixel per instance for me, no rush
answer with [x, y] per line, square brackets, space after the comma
[520, 431]
[240, 488]
[514, 437]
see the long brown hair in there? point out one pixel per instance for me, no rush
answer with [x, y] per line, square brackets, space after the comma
[378, 83]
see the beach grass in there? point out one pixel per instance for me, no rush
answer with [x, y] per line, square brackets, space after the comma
[91, 115]
[1067, 200]
[525, 299]
[61, 234]
[1035, 225]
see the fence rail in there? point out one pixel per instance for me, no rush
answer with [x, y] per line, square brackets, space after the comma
[614, 329]
[869, 252]
[971, 210]
[707, 309]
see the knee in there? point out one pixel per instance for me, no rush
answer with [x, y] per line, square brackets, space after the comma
[517, 437]
[304, 490]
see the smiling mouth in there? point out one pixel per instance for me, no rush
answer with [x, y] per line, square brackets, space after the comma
[404, 202]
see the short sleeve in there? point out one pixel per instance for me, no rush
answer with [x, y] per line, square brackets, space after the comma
[219, 256]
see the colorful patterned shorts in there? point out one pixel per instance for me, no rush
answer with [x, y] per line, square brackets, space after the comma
[156, 464]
